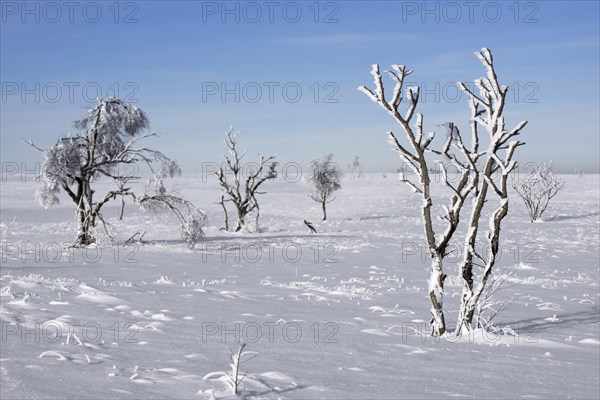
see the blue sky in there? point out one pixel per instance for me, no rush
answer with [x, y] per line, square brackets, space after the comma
[176, 58]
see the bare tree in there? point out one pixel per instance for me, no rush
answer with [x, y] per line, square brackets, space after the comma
[466, 158]
[325, 177]
[234, 377]
[537, 189]
[497, 165]
[226, 222]
[355, 167]
[105, 147]
[243, 196]
[413, 155]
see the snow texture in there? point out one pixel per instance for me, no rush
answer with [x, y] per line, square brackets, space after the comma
[151, 319]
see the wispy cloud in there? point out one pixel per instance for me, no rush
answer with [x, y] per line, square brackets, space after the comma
[344, 38]
[580, 43]
[340, 38]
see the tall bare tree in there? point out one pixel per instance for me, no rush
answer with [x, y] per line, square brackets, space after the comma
[486, 110]
[243, 196]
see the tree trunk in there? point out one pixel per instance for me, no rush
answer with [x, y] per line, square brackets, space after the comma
[239, 225]
[436, 292]
[85, 225]
[225, 212]
[465, 316]
[469, 302]
[240, 222]
[465, 312]
[324, 211]
[241, 216]
[122, 208]
[437, 276]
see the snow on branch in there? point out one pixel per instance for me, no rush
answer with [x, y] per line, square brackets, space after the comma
[191, 219]
[104, 147]
[476, 175]
[243, 196]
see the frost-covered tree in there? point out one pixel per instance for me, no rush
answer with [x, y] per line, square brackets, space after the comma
[537, 189]
[191, 219]
[243, 196]
[325, 177]
[477, 175]
[104, 147]
[355, 167]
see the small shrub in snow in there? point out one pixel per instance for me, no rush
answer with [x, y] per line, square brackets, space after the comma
[325, 177]
[233, 378]
[537, 189]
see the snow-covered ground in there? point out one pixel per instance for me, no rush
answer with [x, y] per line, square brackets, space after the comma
[340, 314]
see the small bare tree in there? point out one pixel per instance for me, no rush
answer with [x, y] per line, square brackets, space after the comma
[243, 196]
[234, 378]
[537, 189]
[355, 167]
[473, 177]
[105, 147]
[325, 177]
